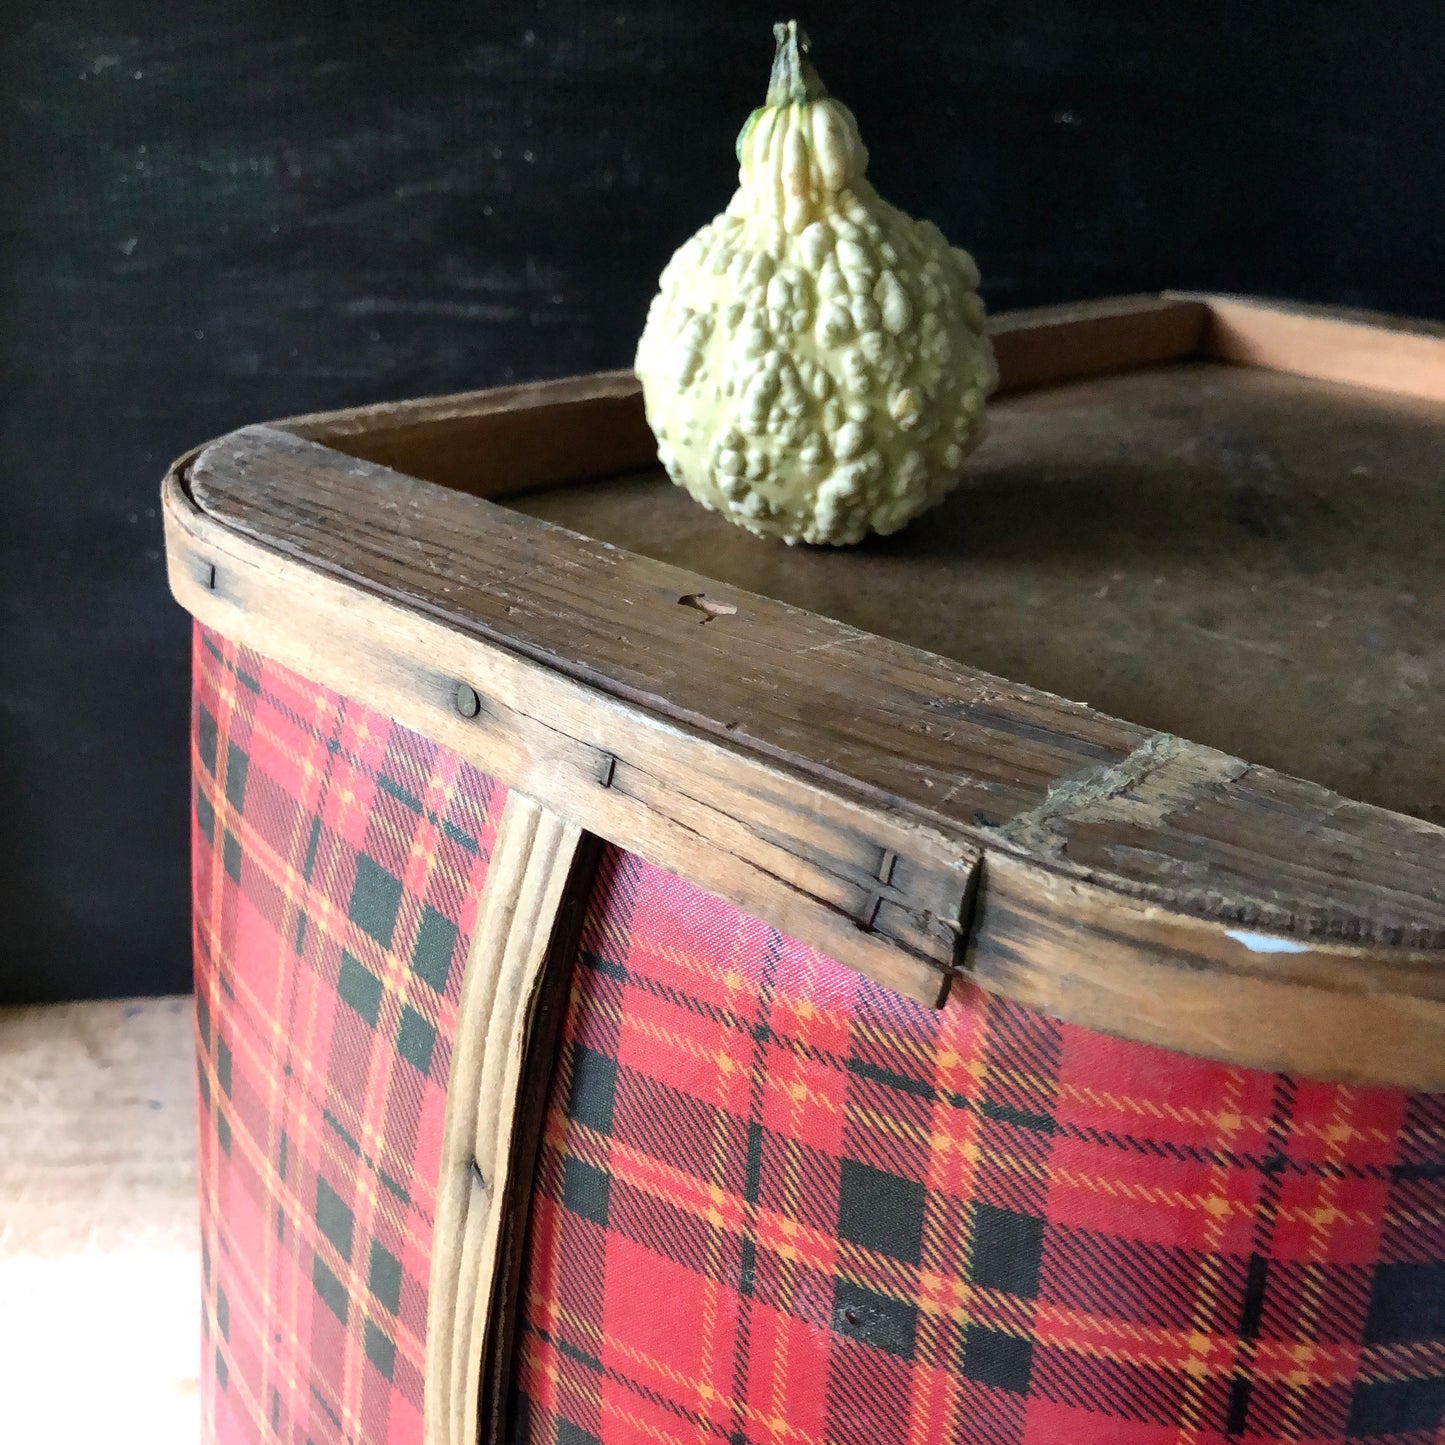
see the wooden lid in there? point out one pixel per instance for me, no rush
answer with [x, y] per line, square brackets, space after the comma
[1240, 556]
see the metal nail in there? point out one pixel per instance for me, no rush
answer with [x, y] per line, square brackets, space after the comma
[468, 703]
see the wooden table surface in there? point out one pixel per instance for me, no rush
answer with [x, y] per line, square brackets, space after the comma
[99, 1243]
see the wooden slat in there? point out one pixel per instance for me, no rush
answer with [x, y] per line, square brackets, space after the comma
[806, 750]
[781, 846]
[488, 443]
[1262, 999]
[528, 918]
[849, 781]
[957, 747]
[1112, 542]
[1358, 348]
[1051, 344]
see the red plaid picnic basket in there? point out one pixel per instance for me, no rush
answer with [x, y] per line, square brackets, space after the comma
[774, 1202]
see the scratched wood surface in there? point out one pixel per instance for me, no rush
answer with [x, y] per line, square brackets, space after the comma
[1248, 559]
[960, 747]
[822, 775]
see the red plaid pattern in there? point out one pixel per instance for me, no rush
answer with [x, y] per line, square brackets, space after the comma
[338, 858]
[779, 1205]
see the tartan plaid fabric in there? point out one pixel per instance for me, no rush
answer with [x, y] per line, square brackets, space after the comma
[337, 863]
[778, 1204]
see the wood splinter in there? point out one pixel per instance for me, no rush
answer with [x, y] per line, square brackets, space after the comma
[708, 606]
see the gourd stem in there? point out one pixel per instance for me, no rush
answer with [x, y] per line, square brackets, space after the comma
[793, 80]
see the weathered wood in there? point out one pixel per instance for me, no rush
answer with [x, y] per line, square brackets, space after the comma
[1249, 559]
[531, 908]
[406, 664]
[802, 856]
[777, 758]
[1358, 348]
[1046, 345]
[532, 1101]
[1264, 999]
[957, 747]
[489, 443]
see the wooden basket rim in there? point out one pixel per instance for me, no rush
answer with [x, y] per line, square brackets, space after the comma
[1316, 942]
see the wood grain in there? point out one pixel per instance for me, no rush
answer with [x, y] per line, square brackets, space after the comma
[489, 443]
[405, 664]
[1112, 542]
[1238, 994]
[531, 907]
[801, 856]
[1045, 345]
[957, 747]
[1359, 348]
[780, 758]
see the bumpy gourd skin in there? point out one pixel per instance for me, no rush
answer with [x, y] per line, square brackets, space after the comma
[814, 365]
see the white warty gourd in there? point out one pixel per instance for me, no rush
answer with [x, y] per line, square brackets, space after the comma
[814, 365]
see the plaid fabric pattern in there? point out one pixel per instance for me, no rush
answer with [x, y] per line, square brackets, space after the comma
[337, 862]
[778, 1204]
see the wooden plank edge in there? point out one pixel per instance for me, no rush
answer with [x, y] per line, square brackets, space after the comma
[1122, 774]
[1035, 347]
[1361, 349]
[1125, 968]
[1121, 331]
[1017, 936]
[639, 781]
[1048, 345]
[528, 921]
[334, 427]
[539, 1063]
[500, 443]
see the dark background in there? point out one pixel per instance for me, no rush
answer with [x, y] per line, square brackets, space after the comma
[215, 213]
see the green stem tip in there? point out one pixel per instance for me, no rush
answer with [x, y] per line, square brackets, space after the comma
[793, 79]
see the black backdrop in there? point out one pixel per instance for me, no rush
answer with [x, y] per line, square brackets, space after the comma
[215, 213]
